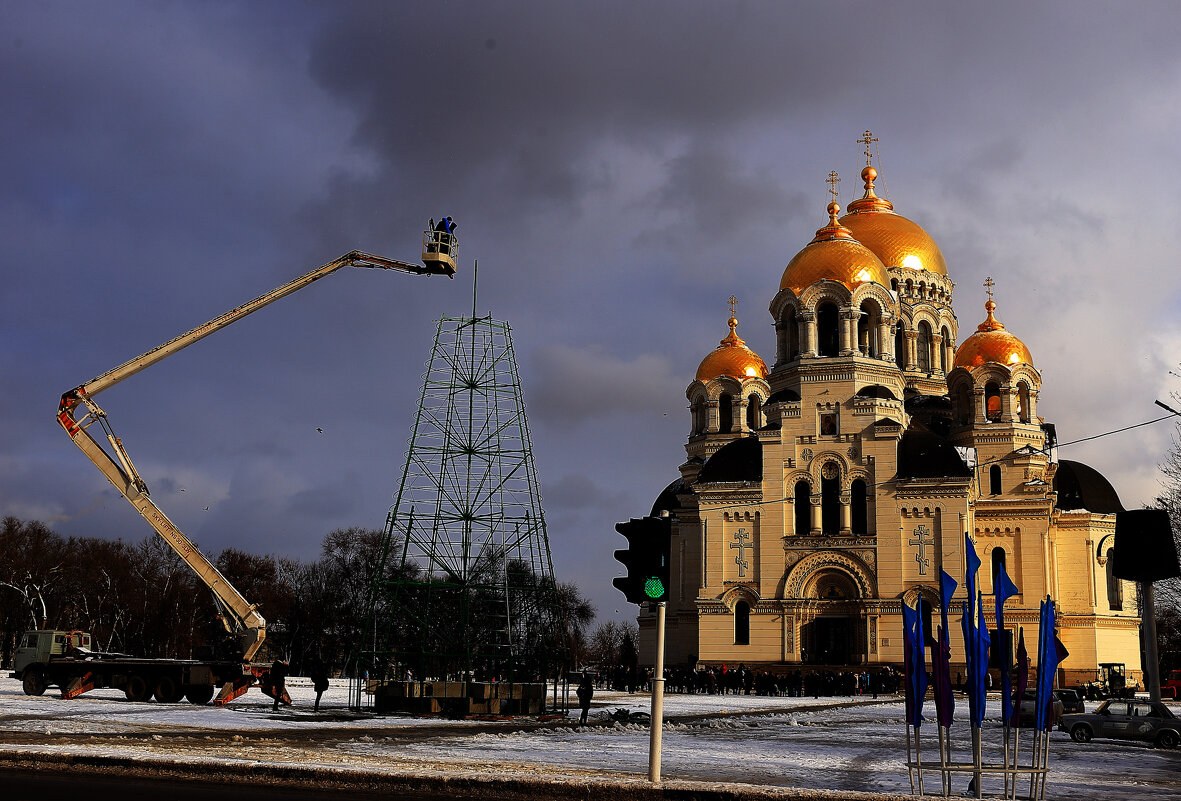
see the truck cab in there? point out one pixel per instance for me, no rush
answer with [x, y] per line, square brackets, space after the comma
[39, 647]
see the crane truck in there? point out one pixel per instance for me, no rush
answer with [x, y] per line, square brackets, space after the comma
[64, 658]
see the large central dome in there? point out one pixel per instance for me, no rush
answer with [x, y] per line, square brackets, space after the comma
[833, 255]
[897, 241]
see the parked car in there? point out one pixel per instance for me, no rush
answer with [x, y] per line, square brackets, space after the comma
[1028, 717]
[1072, 700]
[1120, 719]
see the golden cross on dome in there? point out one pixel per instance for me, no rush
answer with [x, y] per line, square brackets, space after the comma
[989, 284]
[733, 305]
[867, 139]
[832, 182]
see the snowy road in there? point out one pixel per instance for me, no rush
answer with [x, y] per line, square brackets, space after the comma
[780, 742]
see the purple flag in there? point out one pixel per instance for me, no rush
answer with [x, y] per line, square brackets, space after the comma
[1022, 677]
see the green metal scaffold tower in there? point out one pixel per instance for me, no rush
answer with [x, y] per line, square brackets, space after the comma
[464, 590]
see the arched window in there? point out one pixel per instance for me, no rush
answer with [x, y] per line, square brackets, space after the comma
[860, 508]
[725, 413]
[700, 418]
[1115, 590]
[803, 508]
[867, 329]
[963, 403]
[992, 400]
[944, 347]
[994, 480]
[742, 623]
[828, 330]
[790, 332]
[1023, 402]
[830, 500]
[754, 417]
[900, 346]
[923, 346]
[998, 562]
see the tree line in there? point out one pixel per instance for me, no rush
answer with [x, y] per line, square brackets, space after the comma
[141, 598]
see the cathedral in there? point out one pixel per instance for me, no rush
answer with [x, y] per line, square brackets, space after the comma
[823, 492]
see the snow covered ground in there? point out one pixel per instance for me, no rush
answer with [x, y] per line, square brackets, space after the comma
[828, 743]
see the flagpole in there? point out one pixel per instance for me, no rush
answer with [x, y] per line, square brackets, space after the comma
[944, 739]
[918, 758]
[909, 763]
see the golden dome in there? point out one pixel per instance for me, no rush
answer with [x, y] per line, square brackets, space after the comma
[732, 357]
[894, 239]
[992, 343]
[833, 255]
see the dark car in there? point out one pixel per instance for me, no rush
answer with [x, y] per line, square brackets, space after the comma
[1121, 719]
[1072, 700]
[1028, 717]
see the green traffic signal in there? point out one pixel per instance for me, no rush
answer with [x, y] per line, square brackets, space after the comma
[654, 588]
[646, 559]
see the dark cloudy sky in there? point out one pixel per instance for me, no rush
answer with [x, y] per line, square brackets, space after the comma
[618, 168]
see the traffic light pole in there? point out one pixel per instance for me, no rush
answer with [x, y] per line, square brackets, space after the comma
[657, 720]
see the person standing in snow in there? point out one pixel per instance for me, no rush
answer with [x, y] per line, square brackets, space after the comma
[278, 681]
[319, 677]
[586, 691]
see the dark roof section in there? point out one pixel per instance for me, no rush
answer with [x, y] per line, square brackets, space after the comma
[740, 460]
[939, 402]
[667, 499]
[785, 395]
[1082, 487]
[876, 391]
[924, 454]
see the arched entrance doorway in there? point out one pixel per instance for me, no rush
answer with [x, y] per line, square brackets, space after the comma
[832, 634]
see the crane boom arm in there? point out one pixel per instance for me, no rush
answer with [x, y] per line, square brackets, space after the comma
[240, 615]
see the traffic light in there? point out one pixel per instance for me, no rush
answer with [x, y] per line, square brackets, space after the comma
[646, 559]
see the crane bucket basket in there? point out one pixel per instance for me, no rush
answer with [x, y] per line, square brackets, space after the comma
[439, 249]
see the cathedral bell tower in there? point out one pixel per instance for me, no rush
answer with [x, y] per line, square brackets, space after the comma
[727, 396]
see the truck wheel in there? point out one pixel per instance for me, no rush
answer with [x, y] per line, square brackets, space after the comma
[167, 690]
[35, 681]
[1081, 733]
[199, 694]
[1167, 739]
[137, 689]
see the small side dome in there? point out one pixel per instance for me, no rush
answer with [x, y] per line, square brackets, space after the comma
[732, 357]
[833, 255]
[1081, 487]
[992, 343]
[924, 454]
[740, 460]
[894, 239]
[667, 501]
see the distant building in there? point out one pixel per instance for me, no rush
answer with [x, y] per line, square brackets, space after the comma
[822, 493]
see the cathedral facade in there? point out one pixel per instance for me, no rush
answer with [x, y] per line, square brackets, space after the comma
[822, 493]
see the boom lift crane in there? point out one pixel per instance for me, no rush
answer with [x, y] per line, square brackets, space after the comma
[240, 617]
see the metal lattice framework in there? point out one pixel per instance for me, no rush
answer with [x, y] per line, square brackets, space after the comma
[465, 586]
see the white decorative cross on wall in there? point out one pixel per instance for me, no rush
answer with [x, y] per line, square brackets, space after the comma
[922, 539]
[740, 542]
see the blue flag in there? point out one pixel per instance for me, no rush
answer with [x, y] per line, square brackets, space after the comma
[974, 638]
[1003, 588]
[919, 664]
[1047, 664]
[909, 618]
[981, 659]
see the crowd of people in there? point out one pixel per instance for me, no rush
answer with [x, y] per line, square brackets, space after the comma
[741, 680]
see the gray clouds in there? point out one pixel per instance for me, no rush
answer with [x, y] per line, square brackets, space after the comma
[618, 169]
